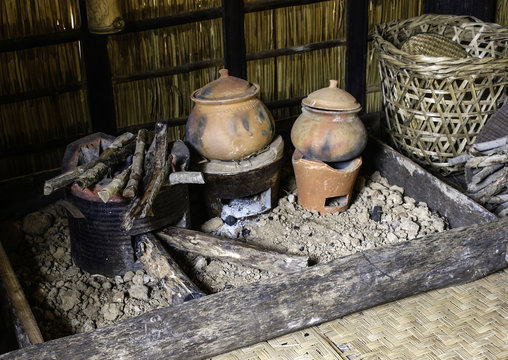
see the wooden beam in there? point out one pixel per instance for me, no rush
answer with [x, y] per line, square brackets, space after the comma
[40, 40]
[251, 313]
[295, 49]
[172, 20]
[484, 10]
[262, 5]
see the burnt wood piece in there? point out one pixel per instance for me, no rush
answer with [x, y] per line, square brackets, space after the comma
[92, 176]
[118, 151]
[15, 292]
[160, 265]
[497, 183]
[138, 161]
[423, 186]
[255, 312]
[116, 184]
[141, 206]
[186, 177]
[231, 250]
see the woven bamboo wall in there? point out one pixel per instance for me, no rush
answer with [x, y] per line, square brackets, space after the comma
[294, 76]
[28, 120]
[43, 94]
[381, 11]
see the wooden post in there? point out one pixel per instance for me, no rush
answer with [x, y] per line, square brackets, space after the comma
[356, 49]
[98, 78]
[234, 38]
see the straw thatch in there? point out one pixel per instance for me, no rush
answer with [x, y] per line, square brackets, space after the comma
[20, 18]
[381, 11]
[142, 9]
[293, 76]
[502, 12]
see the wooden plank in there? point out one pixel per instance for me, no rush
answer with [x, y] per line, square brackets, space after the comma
[251, 313]
[421, 185]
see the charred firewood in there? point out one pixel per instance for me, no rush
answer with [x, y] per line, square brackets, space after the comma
[117, 152]
[141, 206]
[137, 166]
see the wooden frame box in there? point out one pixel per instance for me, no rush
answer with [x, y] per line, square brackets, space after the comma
[475, 246]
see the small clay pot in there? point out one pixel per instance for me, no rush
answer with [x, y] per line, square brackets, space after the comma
[228, 121]
[329, 128]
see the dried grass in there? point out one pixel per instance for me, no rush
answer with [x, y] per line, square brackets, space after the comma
[143, 9]
[381, 11]
[502, 12]
[20, 18]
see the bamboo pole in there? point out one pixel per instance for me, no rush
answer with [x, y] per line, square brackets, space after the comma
[15, 292]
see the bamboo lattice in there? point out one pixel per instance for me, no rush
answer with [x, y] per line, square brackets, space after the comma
[435, 106]
[381, 11]
[461, 322]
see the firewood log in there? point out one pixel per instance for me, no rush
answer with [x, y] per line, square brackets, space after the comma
[137, 166]
[159, 264]
[231, 250]
[117, 151]
[155, 177]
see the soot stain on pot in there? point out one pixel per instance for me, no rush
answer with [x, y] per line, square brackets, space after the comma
[245, 123]
[232, 126]
[195, 137]
[326, 149]
[205, 92]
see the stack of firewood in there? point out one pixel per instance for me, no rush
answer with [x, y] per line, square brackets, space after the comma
[486, 170]
[140, 172]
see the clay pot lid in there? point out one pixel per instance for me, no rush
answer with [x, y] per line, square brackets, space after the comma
[226, 88]
[332, 98]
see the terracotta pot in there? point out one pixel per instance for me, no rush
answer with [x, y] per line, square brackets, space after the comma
[228, 122]
[329, 128]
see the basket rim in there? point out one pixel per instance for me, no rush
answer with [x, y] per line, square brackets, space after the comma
[387, 49]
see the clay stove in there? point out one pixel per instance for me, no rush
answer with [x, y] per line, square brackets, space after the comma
[255, 179]
[98, 244]
[329, 138]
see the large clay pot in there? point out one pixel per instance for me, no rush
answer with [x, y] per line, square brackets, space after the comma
[329, 128]
[228, 121]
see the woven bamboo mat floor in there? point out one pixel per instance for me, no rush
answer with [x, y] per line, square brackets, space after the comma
[468, 321]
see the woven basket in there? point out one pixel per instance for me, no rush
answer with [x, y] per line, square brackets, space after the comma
[435, 106]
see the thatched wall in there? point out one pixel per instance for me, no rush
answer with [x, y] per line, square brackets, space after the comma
[44, 103]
